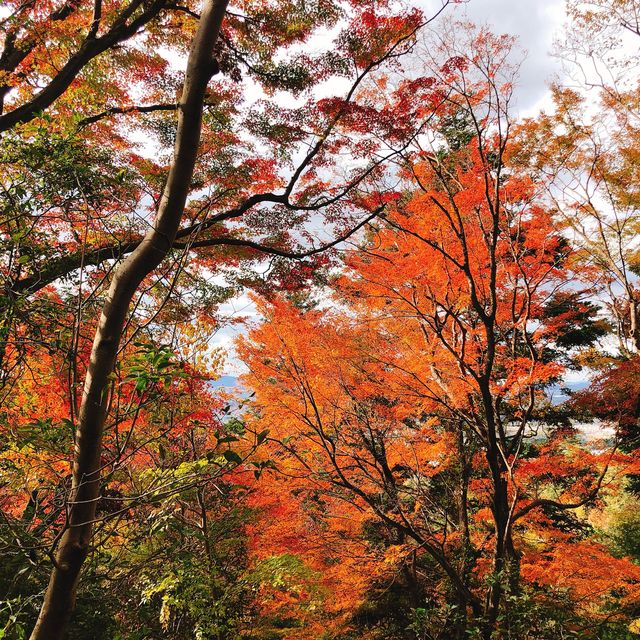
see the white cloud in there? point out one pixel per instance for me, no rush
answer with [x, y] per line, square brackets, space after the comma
[535, 24]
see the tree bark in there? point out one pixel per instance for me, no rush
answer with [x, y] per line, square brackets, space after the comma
[75, 543]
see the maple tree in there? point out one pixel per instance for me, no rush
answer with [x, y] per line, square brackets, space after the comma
[419, 403]
[589, 160]
[588, 182]
[588, 167]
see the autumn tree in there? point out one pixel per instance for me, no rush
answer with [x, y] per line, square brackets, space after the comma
[85, 209]
[419, 401]
[588, 169]
[586, 157]
[169, 458]
[586, 160]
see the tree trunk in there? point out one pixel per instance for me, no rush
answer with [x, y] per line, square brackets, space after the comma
[75, 543]
[467, 560]
[501, 515]
[634, 317]
[506, 566]
[500, 510]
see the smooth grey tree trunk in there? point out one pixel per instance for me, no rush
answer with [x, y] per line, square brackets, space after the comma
[75, 543]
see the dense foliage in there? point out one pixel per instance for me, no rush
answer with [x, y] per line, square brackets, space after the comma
[403, 457]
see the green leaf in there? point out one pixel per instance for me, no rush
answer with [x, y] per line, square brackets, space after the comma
[232, 456]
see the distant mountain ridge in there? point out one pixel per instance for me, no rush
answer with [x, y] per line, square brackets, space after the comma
[225, 381]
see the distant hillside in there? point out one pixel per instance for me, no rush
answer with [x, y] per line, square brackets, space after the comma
[557, 393]
[225, 381]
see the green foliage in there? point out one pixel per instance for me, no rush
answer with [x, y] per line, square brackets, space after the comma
[153, 366]
[577, 321]
[625, 531]
[283, 571]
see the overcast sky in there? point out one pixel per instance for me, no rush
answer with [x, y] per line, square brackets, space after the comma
[535, 23]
